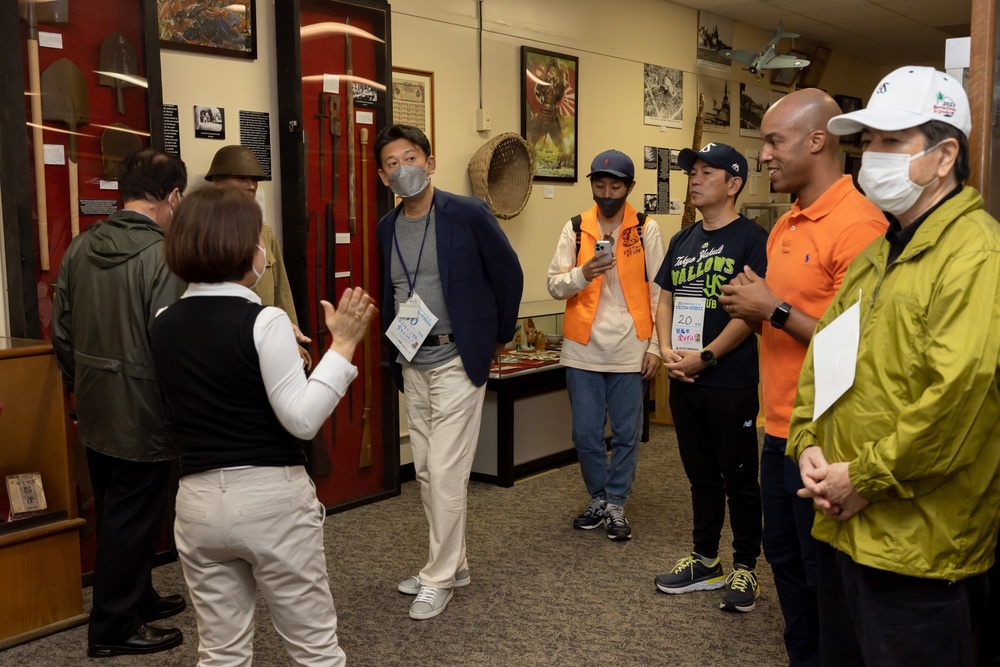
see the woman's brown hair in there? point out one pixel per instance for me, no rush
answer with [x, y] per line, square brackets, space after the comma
[213, 236]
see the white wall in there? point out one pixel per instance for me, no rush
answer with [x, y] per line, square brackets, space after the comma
[236, 85]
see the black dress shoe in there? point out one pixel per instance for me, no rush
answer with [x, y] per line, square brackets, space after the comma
[146, 639]
[163, 608]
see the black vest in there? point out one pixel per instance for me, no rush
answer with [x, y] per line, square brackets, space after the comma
[208, 368]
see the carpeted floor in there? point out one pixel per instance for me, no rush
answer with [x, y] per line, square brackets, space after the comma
[541, 593]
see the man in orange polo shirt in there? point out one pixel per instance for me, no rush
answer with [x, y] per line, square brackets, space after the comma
[808, 253]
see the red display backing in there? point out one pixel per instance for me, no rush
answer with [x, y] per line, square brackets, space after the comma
[342, 435]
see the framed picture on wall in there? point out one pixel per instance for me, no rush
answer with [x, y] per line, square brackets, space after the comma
[413, 99]
[229, 30]
[549, 112]
[786, 75]
[848, 104]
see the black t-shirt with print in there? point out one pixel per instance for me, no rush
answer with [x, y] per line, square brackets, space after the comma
[698, 262]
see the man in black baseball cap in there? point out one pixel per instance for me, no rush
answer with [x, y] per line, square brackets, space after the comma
[712, 364]
[717, 155]
[601, 267]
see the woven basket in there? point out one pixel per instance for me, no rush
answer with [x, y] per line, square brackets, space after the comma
[501, 172]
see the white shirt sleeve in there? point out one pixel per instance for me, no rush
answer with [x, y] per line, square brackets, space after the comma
[565, 278]
[301, 404]
[655, 251]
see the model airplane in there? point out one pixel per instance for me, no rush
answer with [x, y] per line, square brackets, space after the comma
[766, 57]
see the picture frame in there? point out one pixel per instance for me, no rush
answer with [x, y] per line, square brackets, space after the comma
[230, 31]
[549, 105]
[813, 74]
[786, 76]
[848, 104]
[413, 99]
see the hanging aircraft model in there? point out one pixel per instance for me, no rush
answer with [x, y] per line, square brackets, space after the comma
[766, 58]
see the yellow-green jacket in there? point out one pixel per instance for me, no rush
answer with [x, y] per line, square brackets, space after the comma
[921, 424]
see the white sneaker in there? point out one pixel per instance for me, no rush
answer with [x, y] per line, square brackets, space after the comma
[411, 585]
[430, 602]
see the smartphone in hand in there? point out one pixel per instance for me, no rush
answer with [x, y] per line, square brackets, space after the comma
[602, 248]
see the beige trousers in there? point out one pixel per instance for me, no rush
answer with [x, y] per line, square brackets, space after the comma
[238, 531]
[444, 409]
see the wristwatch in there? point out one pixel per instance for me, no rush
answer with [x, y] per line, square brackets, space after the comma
[708, 357]
[780, 316]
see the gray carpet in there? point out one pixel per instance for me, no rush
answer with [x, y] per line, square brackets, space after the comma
[541, 592]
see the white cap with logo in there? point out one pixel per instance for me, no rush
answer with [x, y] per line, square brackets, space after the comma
[908, 97]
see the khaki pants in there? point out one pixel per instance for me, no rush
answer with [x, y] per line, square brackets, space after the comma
[241, 530]
[444, 409]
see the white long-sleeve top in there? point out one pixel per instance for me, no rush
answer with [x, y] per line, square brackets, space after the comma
[301, 404]
[614, 346]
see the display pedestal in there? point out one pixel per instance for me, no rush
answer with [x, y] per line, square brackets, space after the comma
[41, 585]
[526, 427]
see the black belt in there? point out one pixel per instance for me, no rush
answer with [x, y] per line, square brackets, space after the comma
[440, 339]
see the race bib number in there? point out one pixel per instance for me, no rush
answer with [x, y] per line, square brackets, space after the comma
[687, 329]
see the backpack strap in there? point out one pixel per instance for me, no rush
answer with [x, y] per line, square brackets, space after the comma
[577, 221]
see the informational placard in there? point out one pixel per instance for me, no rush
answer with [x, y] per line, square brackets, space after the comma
[209, 122]
[104, 207]
[26, 493]
[255, 134]
[54, 154]
[171, 130]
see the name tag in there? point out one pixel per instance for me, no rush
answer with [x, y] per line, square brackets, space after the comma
[411, 327]
[687, 329]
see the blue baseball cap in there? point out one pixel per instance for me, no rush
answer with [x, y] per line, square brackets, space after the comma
[721, 156]
[615, 163]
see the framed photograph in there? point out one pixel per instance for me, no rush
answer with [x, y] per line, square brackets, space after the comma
[662, 96]
[223, 30]
[812, 75]
[786, 76]
[413, 99]
[549, 83]
[715, 33]
[717, 115]
[848, 104]
[754, 102]
[209, 122]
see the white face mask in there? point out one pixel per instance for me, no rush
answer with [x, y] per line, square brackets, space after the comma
[885, 178]
[253, 266]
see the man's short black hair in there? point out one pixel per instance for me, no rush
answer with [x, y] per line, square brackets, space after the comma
[936, 131]
[395, 132]
[149, 175]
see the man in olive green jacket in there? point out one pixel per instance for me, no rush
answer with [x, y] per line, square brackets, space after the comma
[903, 467]
[112, 282]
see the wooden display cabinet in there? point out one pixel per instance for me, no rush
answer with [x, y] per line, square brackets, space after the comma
[40, 585]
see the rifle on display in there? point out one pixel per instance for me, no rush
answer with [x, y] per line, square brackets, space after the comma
[331, 231]
[316, 241]
[351, 215]
[687, 218]
[365, 460]
[351, 221]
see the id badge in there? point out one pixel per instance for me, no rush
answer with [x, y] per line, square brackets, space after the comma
[411, 327]
[688, 326]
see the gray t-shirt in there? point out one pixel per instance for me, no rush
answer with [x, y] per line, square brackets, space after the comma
[408, 238]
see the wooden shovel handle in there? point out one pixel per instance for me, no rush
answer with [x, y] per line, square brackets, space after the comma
[38, 148]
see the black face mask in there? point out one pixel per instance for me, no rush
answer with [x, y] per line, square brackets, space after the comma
[609, 205]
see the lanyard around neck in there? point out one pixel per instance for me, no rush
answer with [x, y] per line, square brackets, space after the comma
[412, 283]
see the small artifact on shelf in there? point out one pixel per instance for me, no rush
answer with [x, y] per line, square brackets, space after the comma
[27, 497]
[539, 341]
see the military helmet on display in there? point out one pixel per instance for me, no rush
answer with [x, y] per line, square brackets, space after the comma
[236, 161]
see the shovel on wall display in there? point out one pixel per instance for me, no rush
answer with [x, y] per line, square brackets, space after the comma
[117, 55]
[35, 12]
[117, 142]
[64, 100]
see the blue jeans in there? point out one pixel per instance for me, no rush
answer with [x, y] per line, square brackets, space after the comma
[791, 551]
[594, 397]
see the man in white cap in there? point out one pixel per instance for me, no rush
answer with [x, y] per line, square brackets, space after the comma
[903, 464]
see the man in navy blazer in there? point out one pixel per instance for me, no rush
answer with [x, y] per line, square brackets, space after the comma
[454, 283]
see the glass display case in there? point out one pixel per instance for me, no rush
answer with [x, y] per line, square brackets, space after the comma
[527, 423]
[334, 65]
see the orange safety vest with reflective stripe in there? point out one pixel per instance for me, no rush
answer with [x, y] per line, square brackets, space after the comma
[631, 266]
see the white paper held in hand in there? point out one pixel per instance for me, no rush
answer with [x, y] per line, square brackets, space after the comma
[835, 357]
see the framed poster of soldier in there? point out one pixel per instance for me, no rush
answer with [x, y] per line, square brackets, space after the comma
[549, 112]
